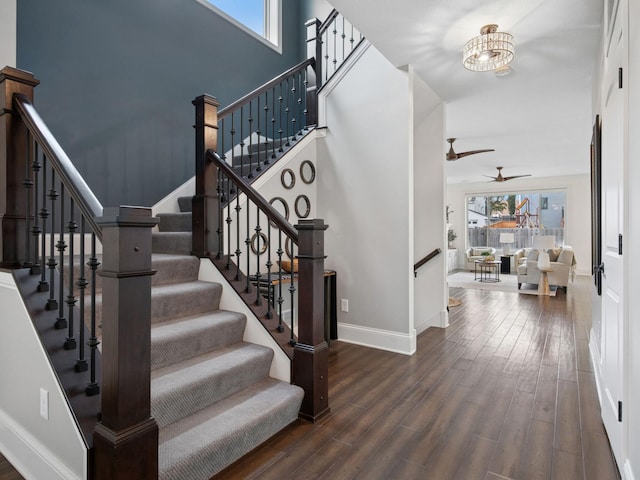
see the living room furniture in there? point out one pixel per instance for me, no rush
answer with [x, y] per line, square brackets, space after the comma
[487, 271]
[562, 267]
[506, 263]
[476, 253]
[543, 286]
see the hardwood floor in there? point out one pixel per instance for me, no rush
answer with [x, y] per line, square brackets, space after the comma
[7, 472]
[505, 392]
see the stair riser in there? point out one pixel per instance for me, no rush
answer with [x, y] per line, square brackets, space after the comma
[167, 305]
[175, 222]
[171, 242]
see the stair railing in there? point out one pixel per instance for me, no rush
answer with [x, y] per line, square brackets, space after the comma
[52, 229]
[424, 260]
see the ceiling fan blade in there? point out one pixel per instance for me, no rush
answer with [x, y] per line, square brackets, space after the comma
[516, 176]
[495, 179]
[473, 152]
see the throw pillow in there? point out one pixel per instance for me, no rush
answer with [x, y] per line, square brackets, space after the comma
[553, 254]
[533, 256]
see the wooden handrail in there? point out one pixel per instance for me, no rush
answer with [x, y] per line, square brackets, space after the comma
[325, 25]
[273, 215]
[263, 88]
[426, 259]
[82, 195]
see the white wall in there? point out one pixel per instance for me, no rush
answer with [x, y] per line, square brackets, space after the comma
[37, 447]
[577, 217]
[633, 283]
[365, 196]
[8, 24]
[431, 295]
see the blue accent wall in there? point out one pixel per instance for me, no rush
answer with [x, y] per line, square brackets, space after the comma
[118, 77]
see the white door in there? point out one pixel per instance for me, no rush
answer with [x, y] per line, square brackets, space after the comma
[613, 151]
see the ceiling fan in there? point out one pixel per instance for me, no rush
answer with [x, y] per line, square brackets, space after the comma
[451, 155]
[500, 178]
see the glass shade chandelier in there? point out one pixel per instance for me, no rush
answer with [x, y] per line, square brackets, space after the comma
[488, 51]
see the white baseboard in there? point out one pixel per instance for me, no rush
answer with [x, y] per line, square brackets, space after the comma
[376, 338]
[29, 456]
[441, 320]
[627, 473]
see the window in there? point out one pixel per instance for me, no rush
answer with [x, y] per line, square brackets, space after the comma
[524, 214]
[260, 18]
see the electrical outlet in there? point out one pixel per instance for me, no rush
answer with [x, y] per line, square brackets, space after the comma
[44, 404]
[344, 305]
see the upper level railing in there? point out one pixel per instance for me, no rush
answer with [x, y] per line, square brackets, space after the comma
[53, 227]
[338, 38]
[425, 259]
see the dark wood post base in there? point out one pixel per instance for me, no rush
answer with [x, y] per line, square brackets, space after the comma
[131, 453]
[310, 371]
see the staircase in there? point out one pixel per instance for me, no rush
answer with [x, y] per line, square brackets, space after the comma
[211, 393]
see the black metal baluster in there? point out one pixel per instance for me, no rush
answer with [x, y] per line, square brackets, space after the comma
[344, 35]
[81, 362]
[250, 153]
[325, 45]
[304, 110]
[258, 133]
[287, 113]
[229, 220]
[280, 100]
[220, 230]
[258, 232]
[249, 174]
[335, 43]
[233, 141]
[352, 40]
[269, 264]
[27, 183]
[36, 230]
[247, 243]
[52, 303]
[292, 291]
[61, 322]
[43, 285]
[293, 118]
[238, 250]
[266, 128]
[280, 327]
[93, 388]
[273, 122]
[70, 342]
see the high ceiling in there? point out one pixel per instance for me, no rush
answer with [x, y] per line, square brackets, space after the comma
[538, 119]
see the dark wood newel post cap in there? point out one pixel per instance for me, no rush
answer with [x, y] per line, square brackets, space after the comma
[206, 98]
[127, 216]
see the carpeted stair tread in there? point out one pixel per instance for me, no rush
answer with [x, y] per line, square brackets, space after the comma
[184, 299]
[201, 445]
[182, 389]
[174, 222]
[171, 242]
[187, 337]
[174, 268]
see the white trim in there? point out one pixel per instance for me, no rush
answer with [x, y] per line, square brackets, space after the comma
[627, 472]
[28, 455]
[328, 87]
[396, 342]
[169, 204]
[441, 320]
[594, 351]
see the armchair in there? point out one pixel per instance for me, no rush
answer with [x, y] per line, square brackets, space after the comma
[563, 264]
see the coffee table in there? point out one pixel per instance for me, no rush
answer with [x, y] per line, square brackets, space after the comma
[487, 271]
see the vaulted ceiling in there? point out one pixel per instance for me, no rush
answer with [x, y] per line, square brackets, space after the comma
[538, 119]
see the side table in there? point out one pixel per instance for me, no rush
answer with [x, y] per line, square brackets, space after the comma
[506, 263]
[543, 283]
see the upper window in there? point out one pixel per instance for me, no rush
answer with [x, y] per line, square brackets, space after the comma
[258, 17]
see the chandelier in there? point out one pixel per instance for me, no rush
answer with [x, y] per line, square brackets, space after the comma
[489, 50]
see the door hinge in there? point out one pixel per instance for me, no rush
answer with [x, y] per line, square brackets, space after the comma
[619, 411]
[619, 244]
[620, 77]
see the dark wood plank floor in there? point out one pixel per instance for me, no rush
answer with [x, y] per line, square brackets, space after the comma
[506, 392]
[7, 472]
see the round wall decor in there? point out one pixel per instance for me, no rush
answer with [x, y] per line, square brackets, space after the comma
[255, 243]
[305, 199]
[307, 172]
[288, 178]
[283, 208]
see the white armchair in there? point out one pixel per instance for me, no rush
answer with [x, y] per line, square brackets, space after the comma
[563, 265]
[476, 253]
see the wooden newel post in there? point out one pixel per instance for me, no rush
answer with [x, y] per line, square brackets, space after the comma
[311, 353]
[126, 439]
[205, 202]
[13, 167]
[314, 75]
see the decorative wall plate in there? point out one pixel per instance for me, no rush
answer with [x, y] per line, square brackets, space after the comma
[304, 199]
[288, 178]
[307, 172]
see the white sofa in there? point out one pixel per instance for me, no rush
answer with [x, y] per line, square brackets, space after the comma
[475, 253]
[563, 267]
